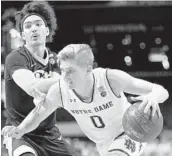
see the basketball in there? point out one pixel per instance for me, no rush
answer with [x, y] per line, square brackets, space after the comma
[140, 126]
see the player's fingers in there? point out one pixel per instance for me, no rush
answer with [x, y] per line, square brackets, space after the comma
[16, 134]
[154, 109]
[148, 105]
[38, 94]
[35, 93]
[159, 111]
[39, 100]
[42, 96]
[11, 131]
[38, 107]
[5, 130]
[143, 104]
[12, 134]
[2, 131]
[138, 98]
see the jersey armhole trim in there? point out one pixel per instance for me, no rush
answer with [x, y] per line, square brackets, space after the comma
[119, 150]
[61, 95]
[110, 85]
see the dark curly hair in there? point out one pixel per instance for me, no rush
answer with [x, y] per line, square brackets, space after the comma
[44, 10]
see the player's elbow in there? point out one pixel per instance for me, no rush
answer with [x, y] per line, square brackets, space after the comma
[29, 90]
[164, 92]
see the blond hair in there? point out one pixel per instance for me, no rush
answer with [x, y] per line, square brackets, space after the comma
[81, 53]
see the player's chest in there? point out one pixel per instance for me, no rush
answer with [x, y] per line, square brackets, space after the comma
[96, 115]
[99, 106]
[41, 71]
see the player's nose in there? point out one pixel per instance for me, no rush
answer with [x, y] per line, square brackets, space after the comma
[34, 28]
[66, 75]
[67, 78]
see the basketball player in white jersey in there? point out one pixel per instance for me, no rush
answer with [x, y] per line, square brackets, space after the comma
[95, 98]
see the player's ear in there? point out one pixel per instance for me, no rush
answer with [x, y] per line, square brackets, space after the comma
[23, 36]
[89, 69]
[47, 31]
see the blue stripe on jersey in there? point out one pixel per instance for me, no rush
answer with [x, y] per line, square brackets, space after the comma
[120, 150]
[119, 135]
[111, 87]
[61, 93]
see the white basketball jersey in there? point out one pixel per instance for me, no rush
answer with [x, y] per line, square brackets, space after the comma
[101, 119]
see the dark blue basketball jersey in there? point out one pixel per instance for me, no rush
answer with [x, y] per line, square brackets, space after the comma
[18, 102]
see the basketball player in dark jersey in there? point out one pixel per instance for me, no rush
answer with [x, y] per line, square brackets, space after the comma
[26, 68]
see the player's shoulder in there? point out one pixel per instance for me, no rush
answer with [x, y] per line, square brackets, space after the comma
[54, 93]
[99, 70]
[116, 73]
[16, 54]
[51, 53]
[109, 71]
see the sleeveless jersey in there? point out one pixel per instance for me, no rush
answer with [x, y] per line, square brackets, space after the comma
[101, 119]
[18, 102]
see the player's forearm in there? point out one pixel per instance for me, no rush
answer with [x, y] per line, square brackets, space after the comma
[31, 122]
[26, 80]
[36, 116]
[159, 93]
[43, 85]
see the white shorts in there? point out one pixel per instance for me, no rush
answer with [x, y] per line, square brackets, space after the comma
[121, 145]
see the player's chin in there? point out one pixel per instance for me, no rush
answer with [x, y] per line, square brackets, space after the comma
[71, 86]
[36, 43]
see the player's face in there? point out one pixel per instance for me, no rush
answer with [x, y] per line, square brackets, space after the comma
[73, 74]
[34, 30]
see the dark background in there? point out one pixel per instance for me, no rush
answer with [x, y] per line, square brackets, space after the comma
[104, 26]
[116, 31]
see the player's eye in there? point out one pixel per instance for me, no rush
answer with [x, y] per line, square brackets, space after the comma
[38, 24]
[70, 71]
[27, 26]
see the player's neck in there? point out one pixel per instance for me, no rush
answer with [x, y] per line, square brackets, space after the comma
[37, 50]
[85, 91]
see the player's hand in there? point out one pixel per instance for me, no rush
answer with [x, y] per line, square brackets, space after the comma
[148, 102]
[38, 97]
[12, 131]
[6, 129]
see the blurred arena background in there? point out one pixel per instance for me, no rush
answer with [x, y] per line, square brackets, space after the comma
[134, 36]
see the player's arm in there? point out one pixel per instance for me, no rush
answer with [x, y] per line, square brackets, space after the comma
[17, 66]
[25, 79]
[42, 110]
[151, 94]
[43, 85]
[126, 83]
